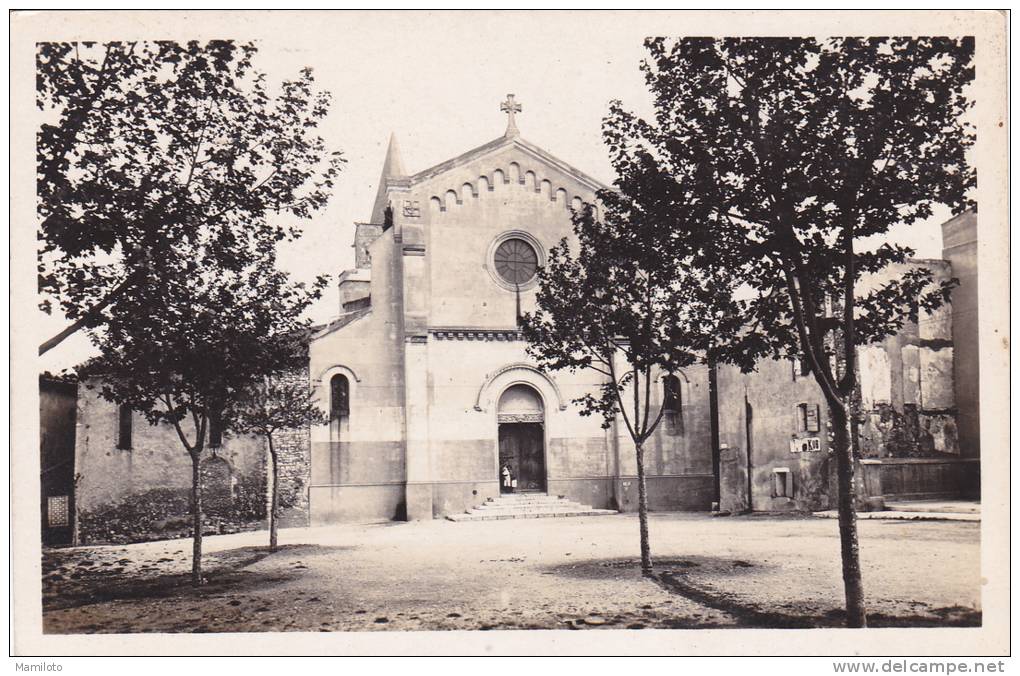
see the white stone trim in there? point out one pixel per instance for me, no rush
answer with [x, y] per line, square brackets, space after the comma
[528, 375]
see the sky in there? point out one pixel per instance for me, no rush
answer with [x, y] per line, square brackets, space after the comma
[436, 80]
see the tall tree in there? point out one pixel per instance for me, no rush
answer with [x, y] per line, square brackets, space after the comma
[147, 143]
[783, 160]
[182, 353]
[626, 306]
[275, 405]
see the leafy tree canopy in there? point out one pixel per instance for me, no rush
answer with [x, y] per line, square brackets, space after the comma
[276, 404]
[149, 144]
[624, 301]
[778, 155]
[193, 346]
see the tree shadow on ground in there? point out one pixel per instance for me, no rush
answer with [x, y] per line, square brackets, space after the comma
[222, 571]
[680, 576]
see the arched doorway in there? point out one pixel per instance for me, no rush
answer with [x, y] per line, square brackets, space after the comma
[521, 418]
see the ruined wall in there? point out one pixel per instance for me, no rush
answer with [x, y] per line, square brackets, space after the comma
[907, 401]
[905, 421]
[293, 448]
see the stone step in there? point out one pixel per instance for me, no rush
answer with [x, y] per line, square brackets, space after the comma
[527, 506]
[521, 510]
[535, 497]
[526, 503]
[529, 515]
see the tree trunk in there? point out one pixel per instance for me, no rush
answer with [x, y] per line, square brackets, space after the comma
[274, 503]
[853, 587]
[646, 551]
[196, 519]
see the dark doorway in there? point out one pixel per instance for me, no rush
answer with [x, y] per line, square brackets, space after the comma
[522, 452]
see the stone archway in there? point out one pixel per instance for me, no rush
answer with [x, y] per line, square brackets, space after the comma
[521, 431]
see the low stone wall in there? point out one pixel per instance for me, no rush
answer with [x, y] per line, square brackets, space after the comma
[916, 478]
[165, 513]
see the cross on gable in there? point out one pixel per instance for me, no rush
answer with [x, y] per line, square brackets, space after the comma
[510, 107]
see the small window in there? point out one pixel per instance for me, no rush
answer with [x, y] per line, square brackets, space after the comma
[807, 418]
[782, 483]
[124, 415]
[57, 511]
[339, 397]
[672, 400]
[339, 407]
[672, 405]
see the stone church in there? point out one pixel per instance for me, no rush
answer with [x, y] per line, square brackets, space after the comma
[435, 407]
[432, 394]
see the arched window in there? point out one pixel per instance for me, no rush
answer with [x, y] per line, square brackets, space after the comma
[124, 427]
[339, 406]
[672, 405]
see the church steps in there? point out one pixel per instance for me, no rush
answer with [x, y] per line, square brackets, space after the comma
[527, 506]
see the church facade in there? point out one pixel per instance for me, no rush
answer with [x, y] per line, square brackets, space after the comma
[432, 397]
[435, 407]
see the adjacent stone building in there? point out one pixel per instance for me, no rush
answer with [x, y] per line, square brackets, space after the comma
[774, 423]
[135, 478]
[960, 249]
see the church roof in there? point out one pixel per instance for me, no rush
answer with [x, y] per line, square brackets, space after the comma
[338, 323]
[499, 144]
[393, 166]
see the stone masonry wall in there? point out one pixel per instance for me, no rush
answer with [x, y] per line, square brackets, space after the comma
[293, 448]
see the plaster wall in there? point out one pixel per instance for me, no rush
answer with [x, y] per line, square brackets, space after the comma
[774, 393]
[960, 243]
[361, 475]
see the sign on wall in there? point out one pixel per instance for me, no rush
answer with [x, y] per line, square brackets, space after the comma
[805, 445]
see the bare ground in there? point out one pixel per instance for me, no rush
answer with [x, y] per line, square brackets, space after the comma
[579, 573]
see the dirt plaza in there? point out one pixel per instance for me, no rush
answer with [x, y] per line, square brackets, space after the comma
[576, 573]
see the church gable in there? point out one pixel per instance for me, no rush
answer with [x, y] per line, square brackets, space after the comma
[507, 161]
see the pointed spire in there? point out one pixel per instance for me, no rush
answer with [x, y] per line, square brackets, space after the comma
[393, 167]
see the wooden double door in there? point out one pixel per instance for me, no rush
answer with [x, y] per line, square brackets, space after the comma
[522, 452]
